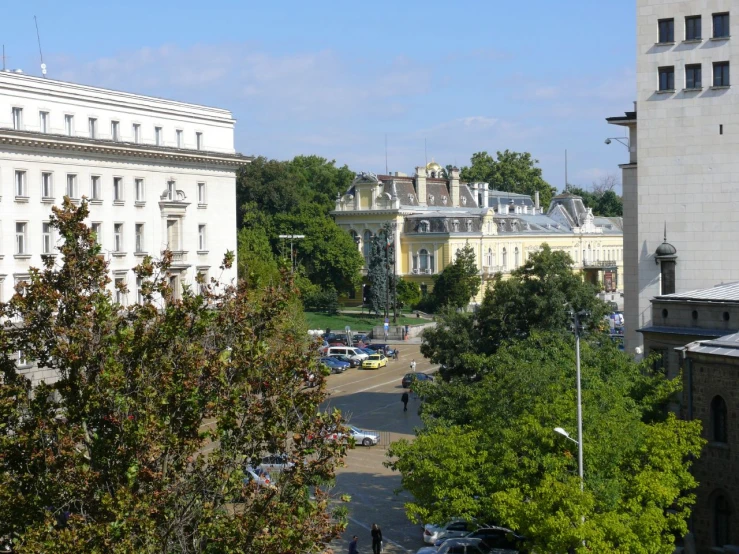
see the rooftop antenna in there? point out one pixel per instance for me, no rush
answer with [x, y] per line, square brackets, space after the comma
[386, 173]
[567, 184]
[41, 55]
[3, 57]
[425, 154]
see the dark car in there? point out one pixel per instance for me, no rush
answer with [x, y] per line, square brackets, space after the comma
[361, 337]
[384, 348]
[336, 366]
[353, 362]
[498, 539]
[408, 379]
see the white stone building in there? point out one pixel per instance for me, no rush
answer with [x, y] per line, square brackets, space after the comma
[158, 174]
[684, 166]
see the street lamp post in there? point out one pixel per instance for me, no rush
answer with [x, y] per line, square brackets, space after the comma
[579, 399]
[292, 256]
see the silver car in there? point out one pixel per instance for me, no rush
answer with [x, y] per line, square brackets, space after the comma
[275, 463]
[258, 476]
[457, 546]
[451, 529]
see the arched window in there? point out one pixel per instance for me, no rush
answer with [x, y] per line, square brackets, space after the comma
[424, 227]
[367, 243]
[505, 258]
[515, 257]
[455, 226]
[718, 420]
[721, 521]
[490, 257]
[424, 255]
[355, 237]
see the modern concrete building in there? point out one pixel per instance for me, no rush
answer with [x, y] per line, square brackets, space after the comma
[158, 175]
[685, 144]
[433, 216]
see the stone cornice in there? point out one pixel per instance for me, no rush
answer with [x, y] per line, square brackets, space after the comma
[64, 143]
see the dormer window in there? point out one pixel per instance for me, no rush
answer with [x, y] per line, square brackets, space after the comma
[171, 190]
[424, 227]
[455, 226]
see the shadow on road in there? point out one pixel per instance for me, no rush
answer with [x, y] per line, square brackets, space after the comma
[378, 411]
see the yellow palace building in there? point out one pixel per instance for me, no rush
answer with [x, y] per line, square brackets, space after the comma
[433, 216]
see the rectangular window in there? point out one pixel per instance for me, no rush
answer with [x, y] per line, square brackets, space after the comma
[158, 136]
[68, 124]
[118, 237]
[667, 78]
[201, 193]
[140, 238]
[97, 230]
[46, 243]
[72, 186]
[118, 189]
[721, 25]
[179, 138]
[18, 119]
[96, 191]
[47, 185]
[139, 190]
[203, 280]
[92, 127]
[139, 291]
[136, 133]
[120, 296]
[693, 27]
[721, 74]
[666, 30]
[199, 141]
[115, 130]
[202, 244]
[43, 122]
[21, 239]
[173, 234]
[693, 76]
[20, 183]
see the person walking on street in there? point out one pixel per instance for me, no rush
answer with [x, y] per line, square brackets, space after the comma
[404, 399]
[376, 539]
[353, 545]
[395, 354]
[413, 365]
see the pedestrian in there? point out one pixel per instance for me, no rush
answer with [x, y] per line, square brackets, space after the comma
[376, 539]
[395, 354]
[404, 399]
[353, 545]
[413, 365]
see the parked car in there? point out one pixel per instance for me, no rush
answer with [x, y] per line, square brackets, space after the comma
[459, 546]
[384, 348]
[375, 361]
[275, 463]
[361, 337]
[336, 366]
[353, 362]
[350, 351]
[367, 351]
[365, 438]
[499, 539]
[258, 476]
[451, 529]
[409, 378]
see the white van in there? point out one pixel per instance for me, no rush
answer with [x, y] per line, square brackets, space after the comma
[353, 353]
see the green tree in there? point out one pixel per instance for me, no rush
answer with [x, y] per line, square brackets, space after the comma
[539, 295]
[256, 262]
[142, 442]
[458, 282]
[495, 457]
[510, 172]
[604, 203]
[409, 293]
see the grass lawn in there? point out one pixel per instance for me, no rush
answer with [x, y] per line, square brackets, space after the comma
[357, 322]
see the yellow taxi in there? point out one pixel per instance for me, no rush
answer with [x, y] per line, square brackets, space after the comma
[375, 361]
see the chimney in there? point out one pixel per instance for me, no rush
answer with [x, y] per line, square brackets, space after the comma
[454, 186]
[421, 185]
[485, 195]
[536, 201]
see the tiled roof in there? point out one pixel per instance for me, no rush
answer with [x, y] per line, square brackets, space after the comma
[720, 293]
[688, 331]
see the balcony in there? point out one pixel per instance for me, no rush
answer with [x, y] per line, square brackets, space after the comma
[493, 269]
[427, 271]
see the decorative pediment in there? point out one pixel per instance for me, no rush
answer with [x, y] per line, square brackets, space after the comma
[366, 177]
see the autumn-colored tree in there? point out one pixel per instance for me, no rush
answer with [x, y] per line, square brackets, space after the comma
[141, 445]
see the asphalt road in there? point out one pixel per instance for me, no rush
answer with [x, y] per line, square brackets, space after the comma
[371, 399]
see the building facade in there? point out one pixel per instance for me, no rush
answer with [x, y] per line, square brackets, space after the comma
[683, 169]
[433, 216]
[158, 175]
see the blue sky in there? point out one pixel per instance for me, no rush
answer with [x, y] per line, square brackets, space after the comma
[332, 78]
